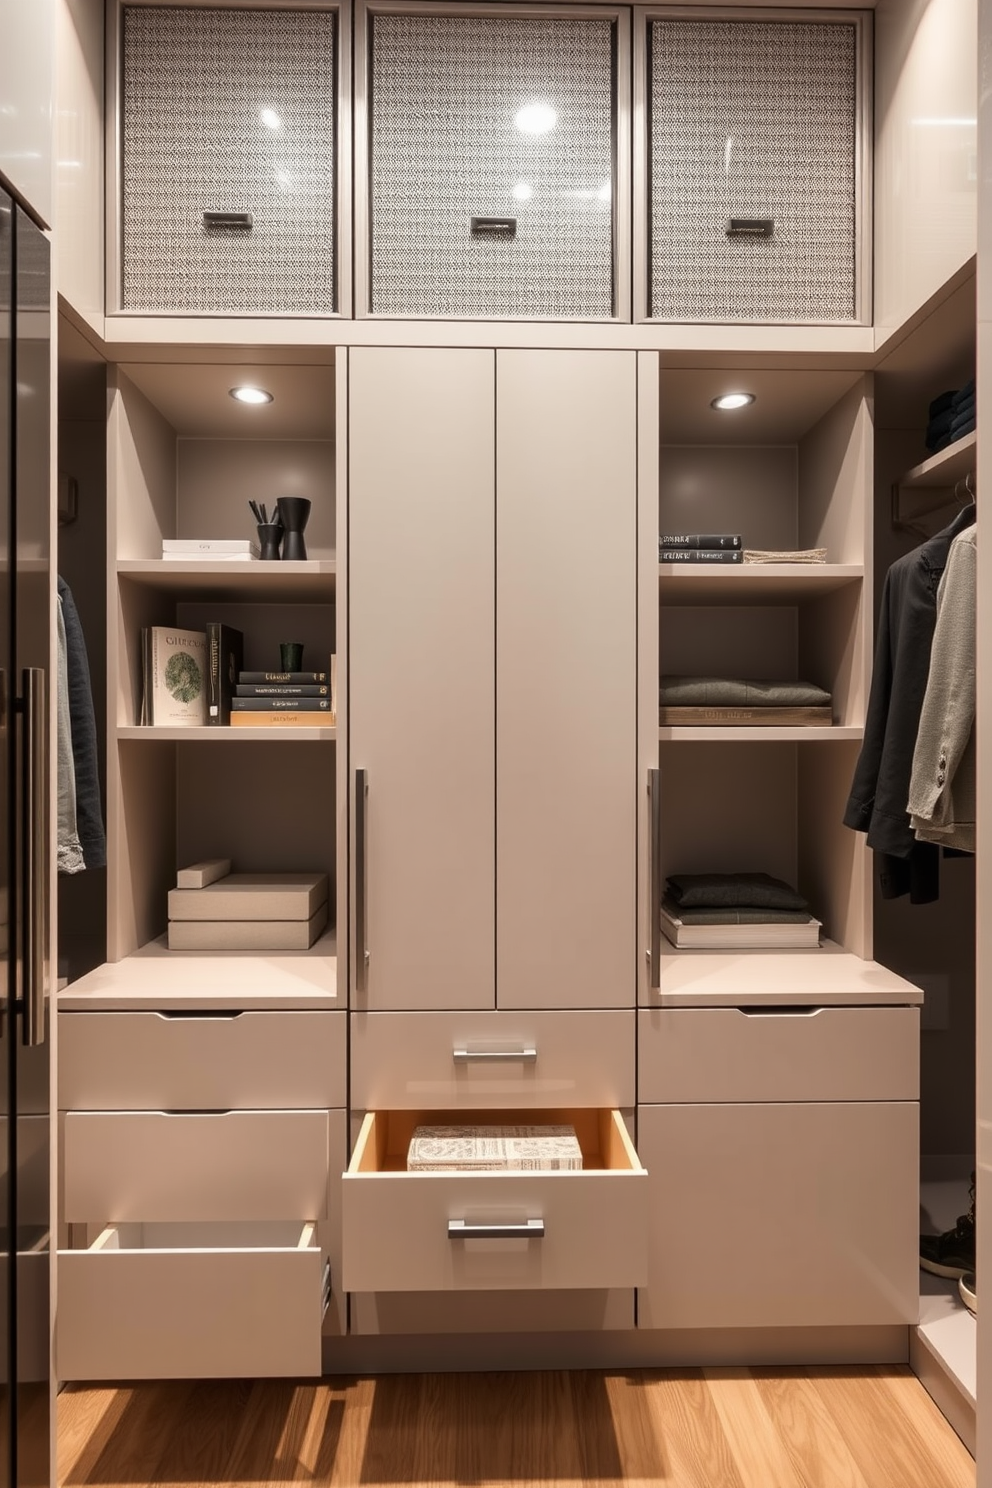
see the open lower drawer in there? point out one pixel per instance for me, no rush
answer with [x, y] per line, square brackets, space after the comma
[478, 1231]
[177, 1301]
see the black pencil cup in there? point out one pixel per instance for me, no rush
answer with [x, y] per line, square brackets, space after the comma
[269, 534]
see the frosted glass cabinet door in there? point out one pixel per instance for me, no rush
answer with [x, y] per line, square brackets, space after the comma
[491, 162]
[227, 171]
[421, 684]
[756, 167]
[565, 678]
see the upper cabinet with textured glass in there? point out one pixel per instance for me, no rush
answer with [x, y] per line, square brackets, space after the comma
[229, 145]
[580, 163]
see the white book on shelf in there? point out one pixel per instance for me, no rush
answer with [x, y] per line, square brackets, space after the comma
[769, 936]
[209, 547]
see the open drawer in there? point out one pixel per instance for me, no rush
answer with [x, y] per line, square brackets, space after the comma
[174, 1301]
[504, 1230]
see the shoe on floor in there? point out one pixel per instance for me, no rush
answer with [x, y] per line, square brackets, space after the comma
[969, 1291]
[952, 1253]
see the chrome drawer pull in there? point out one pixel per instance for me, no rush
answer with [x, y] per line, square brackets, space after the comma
[227, 219]
[526, 1229]
[482, 1056]
[494, 227]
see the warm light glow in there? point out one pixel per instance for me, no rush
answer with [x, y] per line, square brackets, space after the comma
[728, 401]
[270, 118]
[523, 191]
[536, 118]
[248, 394]
[605, 192]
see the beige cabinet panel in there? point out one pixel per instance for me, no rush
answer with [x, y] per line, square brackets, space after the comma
[544, 1311]
[430, 1232]
[421, 689]
[565, 678]
[497, 1059]
[225, 1165]
[216, 1061]
[765, 1216]
[778, 1054]
[192, 1302]
[26, 101]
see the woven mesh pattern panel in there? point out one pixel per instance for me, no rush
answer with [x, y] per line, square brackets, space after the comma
[444, 149]
[753, 120]
[195, 83]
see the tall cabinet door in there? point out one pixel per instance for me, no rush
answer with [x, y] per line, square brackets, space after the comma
[421, 677]
[565, 678]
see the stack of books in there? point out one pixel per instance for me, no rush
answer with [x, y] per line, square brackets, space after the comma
[482, 1149]
[736, 911]
[213, 909]
[700, 547]
[210, 549]
[285, 699]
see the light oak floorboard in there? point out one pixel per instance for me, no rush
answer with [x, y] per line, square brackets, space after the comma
[679, 1428]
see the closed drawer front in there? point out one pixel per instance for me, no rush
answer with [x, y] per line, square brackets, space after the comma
[405, 1061]
[174, 1062]
[156, 1165]
[493, 1231]
[181, 1302]
[779, 1054]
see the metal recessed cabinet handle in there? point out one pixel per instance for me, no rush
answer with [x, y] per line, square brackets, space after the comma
[34, 789]
[227, 219]
[494, 227]
[524, 1229]
[751, 227]
[654, 875]
[362, 955]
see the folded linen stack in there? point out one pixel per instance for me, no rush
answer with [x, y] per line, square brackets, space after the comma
[736, 911]
[741, 701]
[951, 417]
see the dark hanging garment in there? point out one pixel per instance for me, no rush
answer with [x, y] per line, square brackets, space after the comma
[880, 788]
[89, 813]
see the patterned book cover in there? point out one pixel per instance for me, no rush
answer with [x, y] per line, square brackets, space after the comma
[442, 1149]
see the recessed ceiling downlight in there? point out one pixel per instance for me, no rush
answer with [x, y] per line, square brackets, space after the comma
[248, 394]
[728, 401]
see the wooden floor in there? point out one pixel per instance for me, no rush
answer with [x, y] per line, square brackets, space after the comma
[712, 1428]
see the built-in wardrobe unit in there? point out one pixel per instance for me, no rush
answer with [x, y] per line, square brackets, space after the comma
[495, 411]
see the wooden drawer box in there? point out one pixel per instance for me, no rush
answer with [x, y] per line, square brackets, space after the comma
[213, 1061]
[403, 1061]
[156, 1165]
[779, 1054]
[192, 1302]
[441, 1231]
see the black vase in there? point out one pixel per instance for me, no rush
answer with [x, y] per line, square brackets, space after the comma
[294, 512]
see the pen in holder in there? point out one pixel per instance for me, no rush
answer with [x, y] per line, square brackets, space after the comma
[269, 535]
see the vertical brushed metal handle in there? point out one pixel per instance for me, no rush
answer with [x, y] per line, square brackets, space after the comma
[361, 880]
[35, 856]
[654, 874]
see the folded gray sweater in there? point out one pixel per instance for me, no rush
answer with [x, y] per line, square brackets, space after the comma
[744, 692]
[732, 891]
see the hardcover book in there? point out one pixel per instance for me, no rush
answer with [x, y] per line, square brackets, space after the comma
[443, 1149]
[700, 540]
[210, 547]
[283, 677]
[700, 555]
[252, 896]
[174, 676]
[283, 719]
[225, 651]
[282, 690]
[273, 704]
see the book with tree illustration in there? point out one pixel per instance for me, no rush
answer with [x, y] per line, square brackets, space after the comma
[174, 676]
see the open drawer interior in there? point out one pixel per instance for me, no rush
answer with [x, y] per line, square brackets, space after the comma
[384, 1139]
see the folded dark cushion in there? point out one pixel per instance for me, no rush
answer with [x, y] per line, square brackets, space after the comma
[963, 393]
[731, 916]
[739, 692]
[733, 891]
[942, 402]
